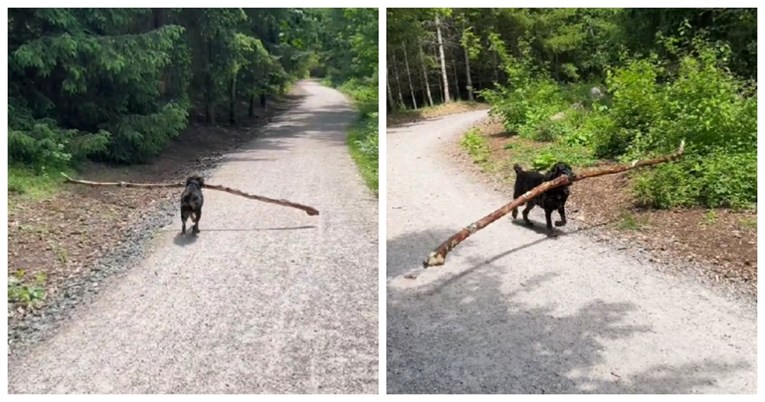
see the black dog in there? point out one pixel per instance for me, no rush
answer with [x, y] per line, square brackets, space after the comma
[191, 203]
[550, 200]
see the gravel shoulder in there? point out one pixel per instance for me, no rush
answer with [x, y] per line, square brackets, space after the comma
[513, 311]
[265, 300]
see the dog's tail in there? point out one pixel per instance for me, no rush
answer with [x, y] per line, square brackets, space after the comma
[518, 169]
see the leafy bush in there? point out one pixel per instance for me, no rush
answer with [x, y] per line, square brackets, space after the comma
[718, 179]
[40, 143]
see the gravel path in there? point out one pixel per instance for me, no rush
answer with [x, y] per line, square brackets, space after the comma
[515, 312]
[265, 300]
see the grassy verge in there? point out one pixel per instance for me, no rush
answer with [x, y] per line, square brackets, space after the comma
[363, 138]
[26, 182]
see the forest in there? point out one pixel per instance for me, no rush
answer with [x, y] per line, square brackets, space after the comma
[594, 85]
[117, 85]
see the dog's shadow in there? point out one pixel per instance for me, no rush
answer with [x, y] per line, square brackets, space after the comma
[540, 228]
[189, 238]
[184, 239]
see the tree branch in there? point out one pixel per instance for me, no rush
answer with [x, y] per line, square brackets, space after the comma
[438, 256]
[309, 210]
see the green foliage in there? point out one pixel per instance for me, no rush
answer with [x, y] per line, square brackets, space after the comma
[350, 57]
[138, 137]
[364, 148]
[475, 144]
[703, 103]
[113, 84]
[651, 104]
[28, 293]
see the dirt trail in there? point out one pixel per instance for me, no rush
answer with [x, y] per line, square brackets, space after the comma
[265, 300]
[513, 311]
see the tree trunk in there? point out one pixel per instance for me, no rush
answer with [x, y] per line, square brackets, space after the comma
[456, 77]
[425, 76]
[159, 17]
[398, 80]
[447, 99]
[438, 256]
[409, 75]
[251, 112]
[496, 67]
[391, 101]
[467, 75]
[232, 102]
[209, 86]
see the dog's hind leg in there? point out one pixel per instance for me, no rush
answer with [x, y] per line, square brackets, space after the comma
[197, 216]
[515, 213]
[562, 213]
[184, 216]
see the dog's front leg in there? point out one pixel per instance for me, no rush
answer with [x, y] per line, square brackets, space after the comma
[525, 213]
[548, 218]
[562, 213]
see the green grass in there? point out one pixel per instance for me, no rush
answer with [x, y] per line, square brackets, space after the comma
[363, 146]
[476, 146]
[25, 181]
[749, 223]
[363, 138]
[631, 221]
[710, 217]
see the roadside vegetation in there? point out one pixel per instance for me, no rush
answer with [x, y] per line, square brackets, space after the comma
[354, 71]
[593, 85]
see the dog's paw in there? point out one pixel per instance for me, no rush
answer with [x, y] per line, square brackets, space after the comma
[560, 223]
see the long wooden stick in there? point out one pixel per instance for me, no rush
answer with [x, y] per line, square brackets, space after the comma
[309, 210]
[438, 256]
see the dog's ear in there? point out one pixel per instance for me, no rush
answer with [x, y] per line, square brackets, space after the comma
[197, 179]
[518, 169]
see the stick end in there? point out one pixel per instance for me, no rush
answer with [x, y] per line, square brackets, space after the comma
[434, 259]
[312, 212]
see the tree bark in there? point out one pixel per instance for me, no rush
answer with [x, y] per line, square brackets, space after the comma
[252, 105]
[209, 86]
[398, 80]
[425, 76]
[456, 76]
[438, 256]
[467, 75]
[391, 101]
[232, 102]
[309, 210]
[447, 99]
[409, 75]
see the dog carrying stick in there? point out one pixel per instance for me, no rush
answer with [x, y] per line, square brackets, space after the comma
[438, 256]
[309, 210]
